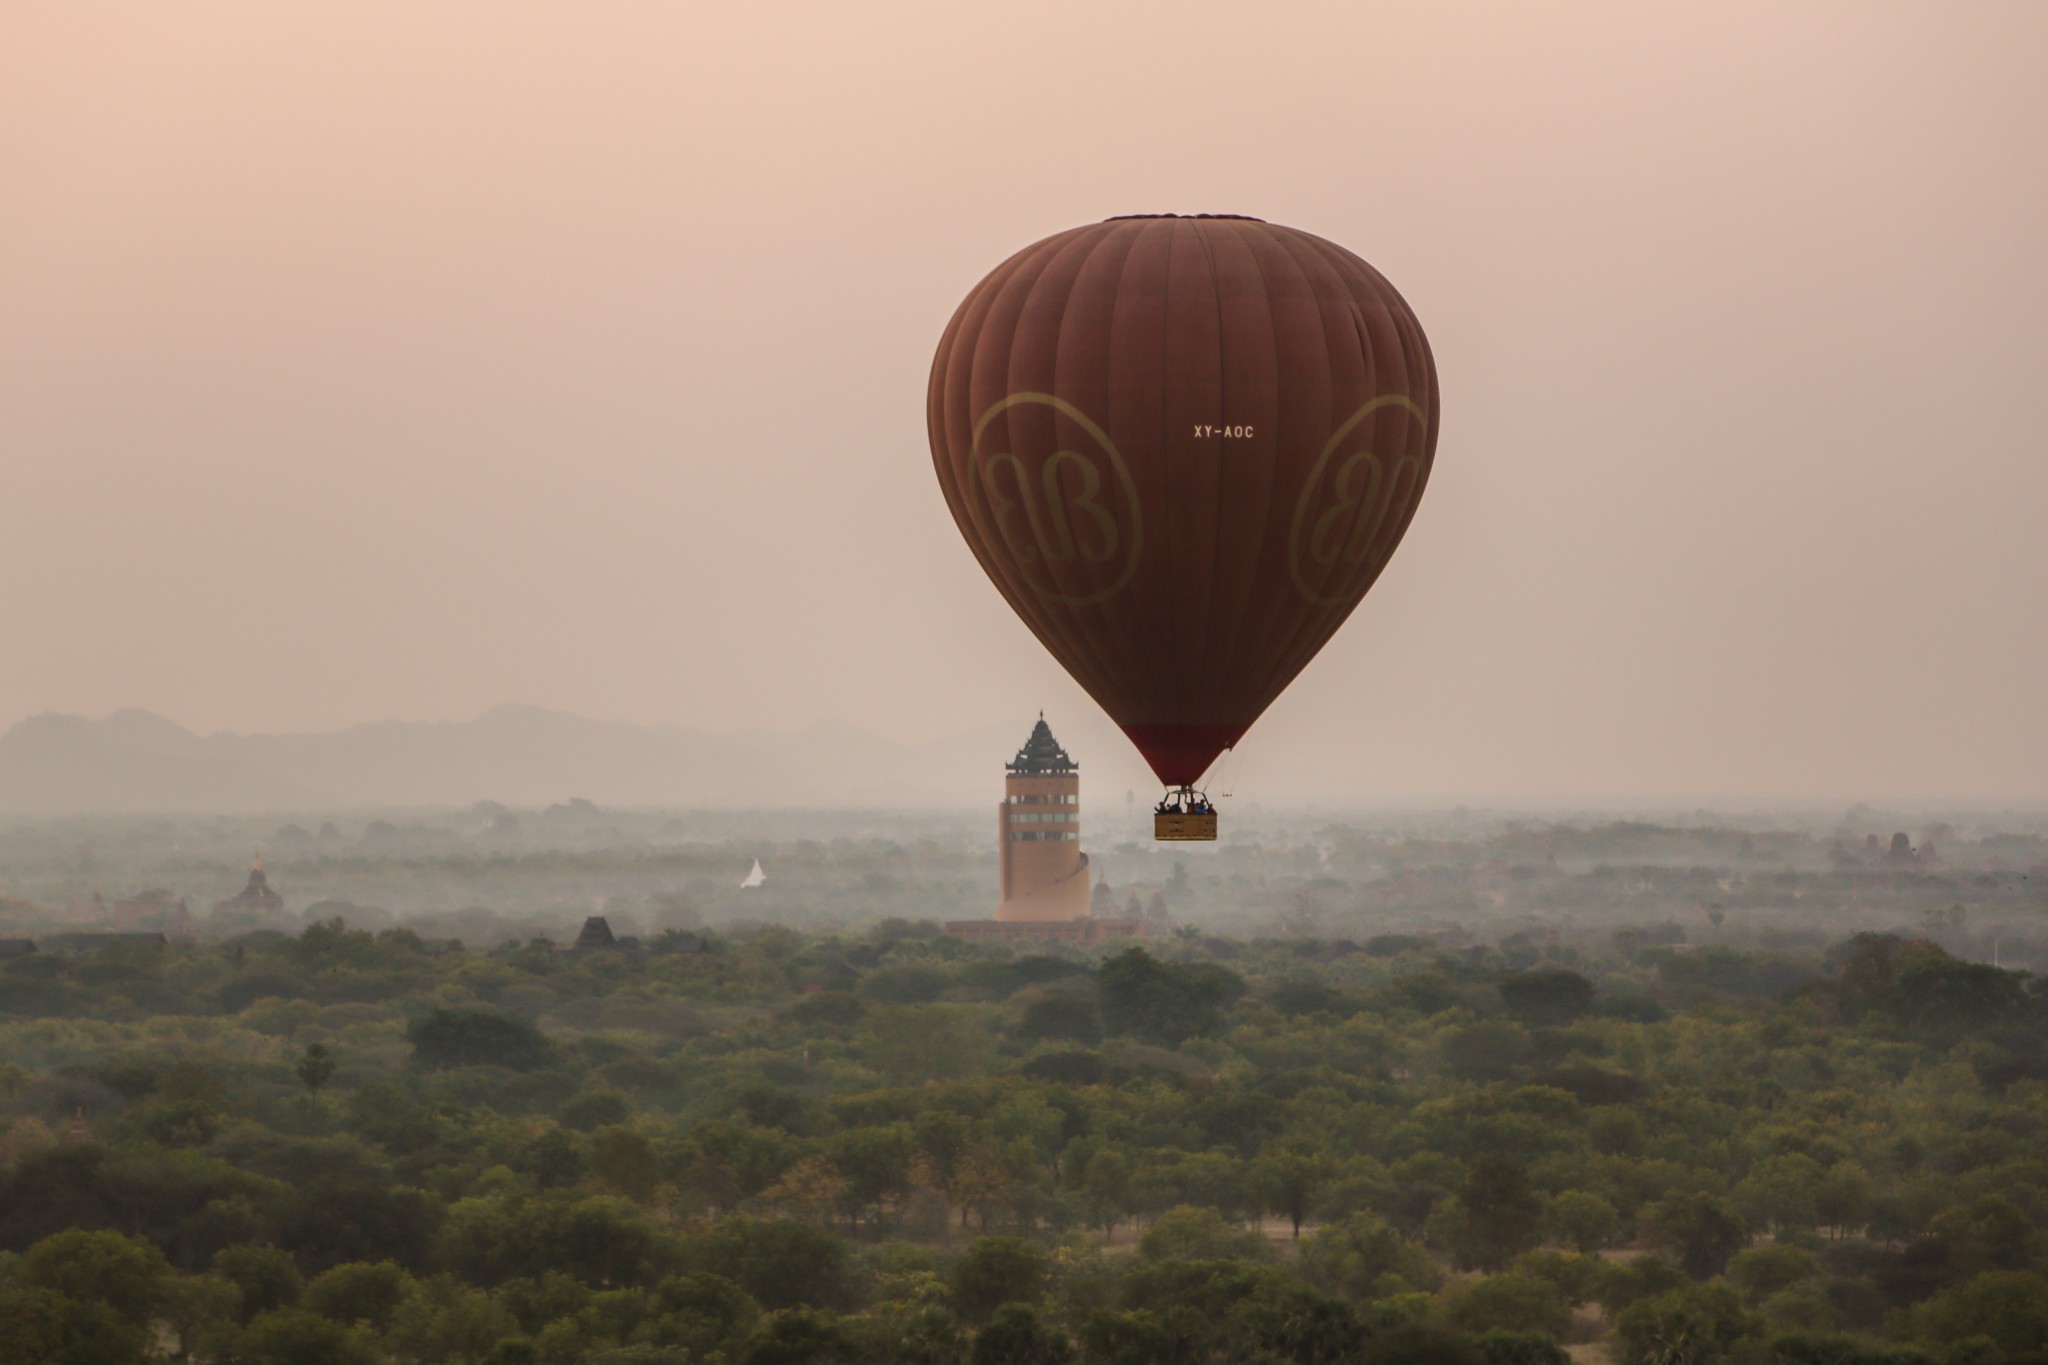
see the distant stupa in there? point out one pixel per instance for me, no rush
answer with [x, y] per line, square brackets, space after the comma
[754, 878]
[257, 895]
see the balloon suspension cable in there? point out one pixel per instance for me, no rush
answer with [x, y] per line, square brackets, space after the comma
[1229, 769]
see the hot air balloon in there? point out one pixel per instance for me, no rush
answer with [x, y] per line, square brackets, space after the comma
[1183, 448]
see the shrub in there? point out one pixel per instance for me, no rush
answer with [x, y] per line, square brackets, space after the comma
[358, 1291]
[1199, 1234]
[449, 1038]
[1516, 1303]
[997, 1270]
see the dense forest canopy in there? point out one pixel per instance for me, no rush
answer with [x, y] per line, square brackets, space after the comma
[889, 1145]
[1449, 1100]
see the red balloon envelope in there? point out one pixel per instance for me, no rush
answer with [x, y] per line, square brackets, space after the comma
[1183, 449]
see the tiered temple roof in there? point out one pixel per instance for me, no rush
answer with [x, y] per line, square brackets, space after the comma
[1042, 753]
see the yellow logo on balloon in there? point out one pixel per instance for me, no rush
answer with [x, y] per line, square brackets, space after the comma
[1368, 496]
[1052, 519]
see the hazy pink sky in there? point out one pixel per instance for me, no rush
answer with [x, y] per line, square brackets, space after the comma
[394, 360]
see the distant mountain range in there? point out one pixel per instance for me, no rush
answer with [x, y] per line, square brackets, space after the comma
[135, 762]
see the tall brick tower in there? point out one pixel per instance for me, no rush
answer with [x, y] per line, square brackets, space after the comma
[1044, 871]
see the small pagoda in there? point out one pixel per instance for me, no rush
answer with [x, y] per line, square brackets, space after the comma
[255, 898]
[596, 936]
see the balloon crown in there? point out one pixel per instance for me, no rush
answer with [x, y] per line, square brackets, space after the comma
[1240, 217]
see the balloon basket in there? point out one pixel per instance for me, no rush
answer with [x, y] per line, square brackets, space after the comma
[1184, 828]
[1185, 816]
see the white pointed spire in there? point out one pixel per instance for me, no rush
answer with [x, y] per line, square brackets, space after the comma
[754, 878]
